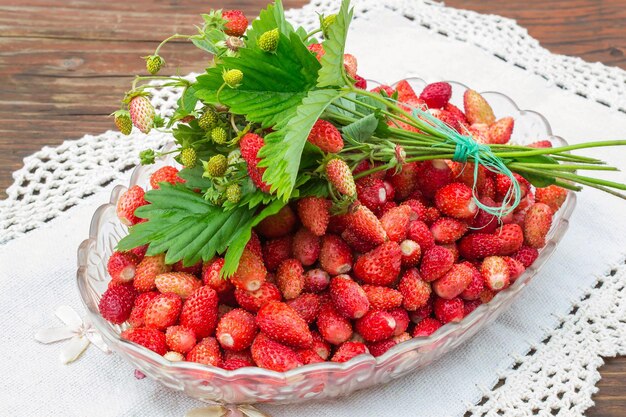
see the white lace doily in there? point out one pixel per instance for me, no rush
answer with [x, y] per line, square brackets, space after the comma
[558, 374]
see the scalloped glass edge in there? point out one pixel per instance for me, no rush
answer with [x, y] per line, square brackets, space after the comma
[441, 342]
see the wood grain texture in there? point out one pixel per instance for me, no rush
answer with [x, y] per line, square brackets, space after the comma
[64, 64]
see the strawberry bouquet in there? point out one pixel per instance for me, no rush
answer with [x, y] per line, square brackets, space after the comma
[316, 220]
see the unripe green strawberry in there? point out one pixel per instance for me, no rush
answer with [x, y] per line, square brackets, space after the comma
[188, 157]
[339, 175]
[123, 122]
[233, 193]
[219, 135]
[141, 113]
[233, 77]
[216, 166]
[154, 63]
[268, 41]
[208, 120]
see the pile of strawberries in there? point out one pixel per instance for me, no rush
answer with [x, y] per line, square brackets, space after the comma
[412, 253]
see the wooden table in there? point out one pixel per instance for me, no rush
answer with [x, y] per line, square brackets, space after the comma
[64, 64]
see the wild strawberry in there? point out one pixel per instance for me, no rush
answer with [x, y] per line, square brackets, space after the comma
[484, 222]
[268, 41]
[163, 311]
[326, 136]
[276, 251]
[422, 312]
[236, 330]
[477, 110]
[232, 364]
[309, 356]
[149, 338]
[216, 166]
[209, 118]
[426, 327]
[199, 312]
[219, 135]
[537, 224]
[335, 255]
[348, 297]
[180, 339]
[121, 266]
[250, 273]
[211, 275]
[272, 355]
[350, 63]
[479, 245]
[132, 199]
[250, 144]
[456, 200]
[401, 317]
[147, 271]
[476, 285]
[380, 266]
[366, 225]
[236, 22]
[254, 244]
[495, 272]
[511, 238]
[452, 248]
[436, 261]
[503, 185]
[405, 181]
[411, 253]
[195, 269]
[317, 49]
[316, 280]
[357, 243]
[334, 327]
[338, 223]
[461, 121]
[206, 352]
[254, 300]
[436, 95]
[379, 348]
[290, 278]
[415, 291]
[188, 157]
[469, 306]
[447, 311]
[382, 298]
[123, 122]
[421, 234]
[167, 174]
[376, 325]
[389, 191]
[349, 350]
[541, 144]
[116, 303]
[277, 225]
[320, 346]
[433, 176]
[141, 113]
[142, 301]
[454, 282]
[305, 247]
[339, 175]
[552, 195]
[448, 230]
[396, 222]
[371, 192]
[174, 356]
[281, 323]
[516, 268]
[500, 132]
[488, 189]
[360, 82]
[487, 295]
[179, 283]
[139, 252]
[387, 89]
[366, 165]
[307, 306]
[526, 255]
[405, 92]
[314, 213]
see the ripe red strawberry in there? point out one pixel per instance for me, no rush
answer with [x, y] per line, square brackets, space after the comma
[316, 280]
[500, 132]
[250, 273]
[211, 276]
[149, 338]
[448, 230]
[433, 176]
[389, 191]
[516, 268]
[272, 355]
[349, 350]
[447, 311]
[552, 195]
[411, 253]
[436, 261]
[537, 224]
[350, 64]
[511, 238]
[376, 325]
[132, 199]
[395, 222]
[405, 92]
[357, 243]
[405, 181]
[366, 165]
[454, 282]
[495, 272]
[282, 323]
[307, 306]
[163, 311]
[317, 49]
[453, 250]
[320, 346]
[338, 223]
[420, 233]
[476, 286]
[278, 225]
[526, 255]
[339, 175]
[503, 185]
[479, 245]
[206, 352]
[136, 318]
[180, 339]
[335, 255]
[436, 95]
[382, 298]
[401, 317]
[314, 213]
[194, 269]
[179, 283]
[290, 278]
[326, 136]
[379, 348]
[541, 144]
[121, 266]
[415, 291]
[366, 225]
[461, 121]
[167, 174]
[484, 222]
[276, 251]
[141, 113]
[116, 303]
[380, 266]
[333, 327]
[236, 22]
[199, 312]
[254, 244]
[139, 252]
[250, 144]
[456, 200]
[254, 300]
[470, 306]
[426, 327]
[236, 330]
[477, 110]
[305, 247]
[422, 312]
[309, 356]
[232, 364]
[371, 192]
[348, 297]
[386, 88]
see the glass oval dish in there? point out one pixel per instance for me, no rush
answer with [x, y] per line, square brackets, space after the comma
[316, 381]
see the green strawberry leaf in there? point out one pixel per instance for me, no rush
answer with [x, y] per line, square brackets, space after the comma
[362, 129]
[333, 72]
[270, 18]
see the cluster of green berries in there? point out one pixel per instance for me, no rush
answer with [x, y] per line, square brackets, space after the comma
[154, 63]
